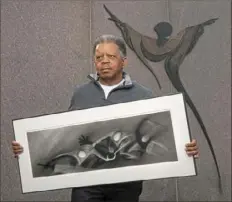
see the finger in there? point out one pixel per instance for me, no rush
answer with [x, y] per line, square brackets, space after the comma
[15, 142]
[17, 147]
[196, 156]
[192, 143]
[191, 148]
[18, 151]
[16, 156]
[192, 153]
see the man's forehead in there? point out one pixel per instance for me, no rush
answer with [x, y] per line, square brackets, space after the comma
[107, 46]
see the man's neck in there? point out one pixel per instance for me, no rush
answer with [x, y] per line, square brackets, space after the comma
[110, 82]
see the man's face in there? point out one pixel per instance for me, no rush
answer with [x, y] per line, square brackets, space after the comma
[108, 61]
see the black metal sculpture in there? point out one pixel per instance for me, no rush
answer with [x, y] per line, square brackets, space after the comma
[172, 49]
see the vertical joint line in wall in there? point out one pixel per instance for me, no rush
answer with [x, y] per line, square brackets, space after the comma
[90, 35]
[177, 190]
[169, 20]
[168, 10]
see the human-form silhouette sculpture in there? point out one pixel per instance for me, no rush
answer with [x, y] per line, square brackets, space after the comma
[171, 49]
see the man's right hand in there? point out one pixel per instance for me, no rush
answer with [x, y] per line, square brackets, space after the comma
[17, 148]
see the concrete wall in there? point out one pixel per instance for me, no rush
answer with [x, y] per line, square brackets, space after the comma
[45, 52]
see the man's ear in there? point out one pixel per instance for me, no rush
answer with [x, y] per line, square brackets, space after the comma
[125, 62]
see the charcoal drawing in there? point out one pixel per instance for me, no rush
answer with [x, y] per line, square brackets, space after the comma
[137, 140]
[145, 137]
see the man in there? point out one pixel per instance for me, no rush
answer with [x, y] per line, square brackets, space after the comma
[110, 85]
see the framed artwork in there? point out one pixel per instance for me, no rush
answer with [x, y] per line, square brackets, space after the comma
[140, 140]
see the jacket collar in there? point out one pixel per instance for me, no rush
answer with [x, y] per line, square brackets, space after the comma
[127, 79]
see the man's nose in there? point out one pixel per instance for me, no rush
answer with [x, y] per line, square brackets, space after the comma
[105, 59]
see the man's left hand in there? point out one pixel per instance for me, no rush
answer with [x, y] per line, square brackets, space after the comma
[192, 149]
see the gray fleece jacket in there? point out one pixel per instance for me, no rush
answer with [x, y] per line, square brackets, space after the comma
[92, 95]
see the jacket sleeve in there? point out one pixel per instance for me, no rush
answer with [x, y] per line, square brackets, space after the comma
[73, 103]
[71, 108]
[149, 94]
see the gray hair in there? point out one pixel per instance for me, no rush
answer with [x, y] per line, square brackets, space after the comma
[114, 39]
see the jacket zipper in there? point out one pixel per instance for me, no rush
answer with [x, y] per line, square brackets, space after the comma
[117, 88]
